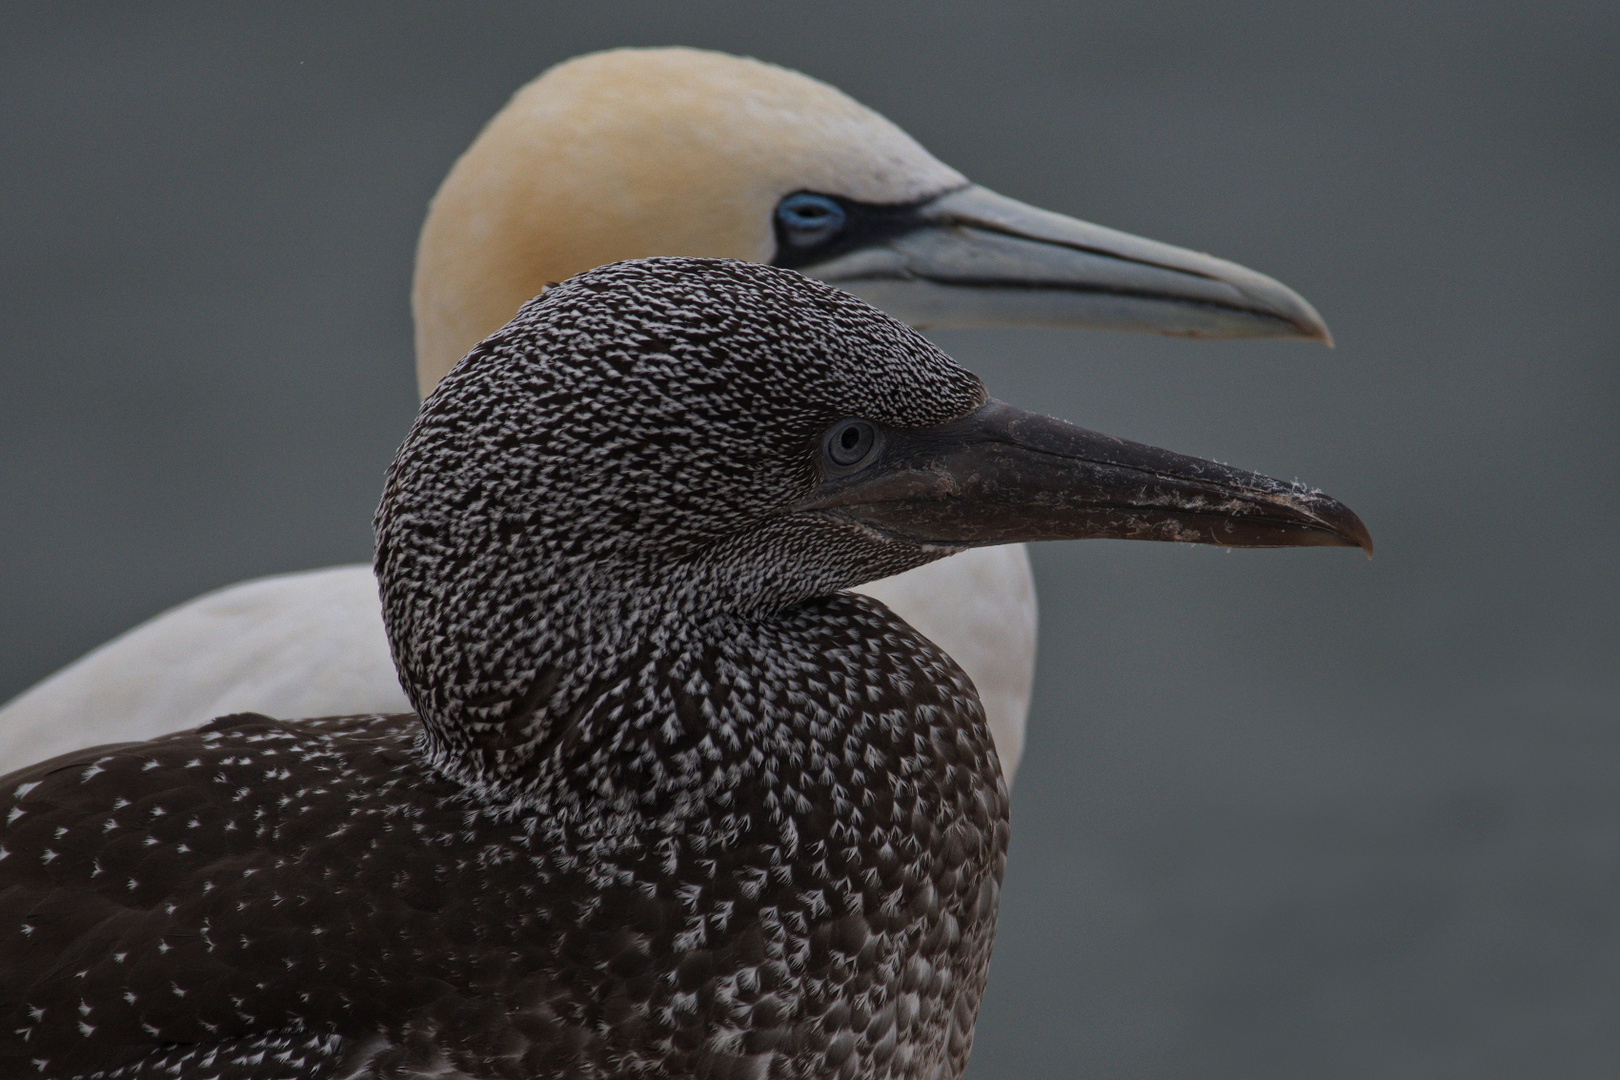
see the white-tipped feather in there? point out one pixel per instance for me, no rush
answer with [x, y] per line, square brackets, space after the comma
[980, 608]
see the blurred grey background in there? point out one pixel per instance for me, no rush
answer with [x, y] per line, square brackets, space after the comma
[1284, 814]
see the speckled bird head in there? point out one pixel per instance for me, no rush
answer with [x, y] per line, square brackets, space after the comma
[624, 461]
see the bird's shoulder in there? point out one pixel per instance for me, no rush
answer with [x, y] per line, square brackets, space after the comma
[144, 891]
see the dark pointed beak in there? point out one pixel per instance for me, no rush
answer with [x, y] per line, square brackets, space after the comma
[1001, 475]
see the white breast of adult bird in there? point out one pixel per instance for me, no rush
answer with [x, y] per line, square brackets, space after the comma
[641, 152]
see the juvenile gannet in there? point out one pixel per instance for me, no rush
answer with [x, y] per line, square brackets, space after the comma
[640, 152]
[673, 804]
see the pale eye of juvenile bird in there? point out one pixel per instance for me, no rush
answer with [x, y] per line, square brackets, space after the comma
[850, 442]
[808, 219]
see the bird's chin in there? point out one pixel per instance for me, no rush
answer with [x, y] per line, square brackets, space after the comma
[832, 553]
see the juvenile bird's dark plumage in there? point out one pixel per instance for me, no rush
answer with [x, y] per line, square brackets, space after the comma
[679, 811]
[672, 803]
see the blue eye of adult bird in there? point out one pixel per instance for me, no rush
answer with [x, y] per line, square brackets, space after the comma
[808, 219]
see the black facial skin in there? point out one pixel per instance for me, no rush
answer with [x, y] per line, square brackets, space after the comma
[863, 225]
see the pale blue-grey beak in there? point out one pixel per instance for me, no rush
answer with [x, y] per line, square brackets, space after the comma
[974, 258]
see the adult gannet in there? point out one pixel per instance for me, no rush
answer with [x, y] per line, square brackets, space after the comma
[640, 152]
[674, 805]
